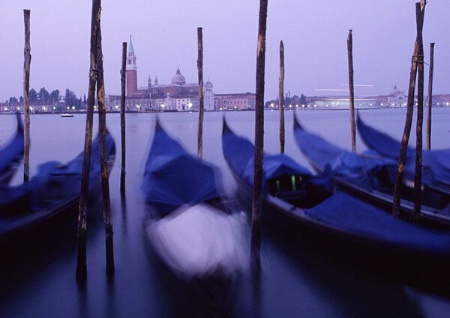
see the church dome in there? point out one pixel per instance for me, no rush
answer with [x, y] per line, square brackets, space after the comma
[178, 78]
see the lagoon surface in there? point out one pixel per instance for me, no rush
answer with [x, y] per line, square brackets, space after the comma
[38, 279]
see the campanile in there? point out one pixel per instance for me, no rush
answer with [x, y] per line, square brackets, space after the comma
[131, 70]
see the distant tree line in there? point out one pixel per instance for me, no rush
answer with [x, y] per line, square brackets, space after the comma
[288, 100]
[43, 97]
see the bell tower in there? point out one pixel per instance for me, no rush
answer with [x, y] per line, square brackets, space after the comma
[131, 70]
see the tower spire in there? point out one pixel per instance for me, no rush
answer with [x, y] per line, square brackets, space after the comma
[131, 70]
[131, 59]
[130, 47]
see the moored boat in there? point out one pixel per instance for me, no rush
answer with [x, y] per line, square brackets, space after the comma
[371, 177]
[52, 192]
[191, 226]
[435, 163]
[338, 223]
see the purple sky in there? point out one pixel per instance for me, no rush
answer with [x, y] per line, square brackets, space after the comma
[165, 38]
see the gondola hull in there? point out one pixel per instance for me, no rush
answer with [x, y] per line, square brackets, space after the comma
[192, 228]
[354, 231]
[435, 163]
[371, 177]
[54, 191]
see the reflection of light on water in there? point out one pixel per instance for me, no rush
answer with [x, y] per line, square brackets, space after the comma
[201, 240]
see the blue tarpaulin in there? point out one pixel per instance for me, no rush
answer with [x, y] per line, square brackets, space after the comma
[174, 177]
[239, 153]
[436, 164]
[350, 214]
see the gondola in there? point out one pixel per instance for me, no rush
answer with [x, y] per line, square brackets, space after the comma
[12, 153]
[52, 192]
[336, 222]
[435, 163]
[191, 225]
[371, 177]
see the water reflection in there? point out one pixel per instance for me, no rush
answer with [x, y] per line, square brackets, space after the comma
[347, 291]
[296, 280]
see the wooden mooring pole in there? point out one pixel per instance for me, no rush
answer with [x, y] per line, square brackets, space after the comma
[281, 98]
[26, 99]
[122, 117]
[259, 138]
[107, 218]
[420, 10]
[351, 89]
[430, 95]
[81, 270]
[419, 120]
[201, 106]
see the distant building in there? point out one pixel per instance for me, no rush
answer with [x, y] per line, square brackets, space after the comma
[175, 96]
[245, 101]
[338, 102]
[396, 98]
[440, 100]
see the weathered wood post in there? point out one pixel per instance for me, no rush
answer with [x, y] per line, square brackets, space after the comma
[201, 106]
[430, 95]
[107, 218]
[281, 99]
[81, 271]
[351, 89]
[26, 97]
[420, 9]
[122, 116]
[419, 123]
[259, 138]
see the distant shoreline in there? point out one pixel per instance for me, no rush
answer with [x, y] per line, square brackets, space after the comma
[215, 111]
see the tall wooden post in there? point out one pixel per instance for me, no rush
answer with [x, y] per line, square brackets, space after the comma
[430, 95]
[281, 99]
[419, 123]
[122, 116]
[259, 137]
[420, 9]
[351, 89]
[26, 99]
[201, 106]
[81, 271]
[107, 218]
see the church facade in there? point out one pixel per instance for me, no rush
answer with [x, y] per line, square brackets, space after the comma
[174, 96]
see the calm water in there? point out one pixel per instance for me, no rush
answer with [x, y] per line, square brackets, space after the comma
[38, 280]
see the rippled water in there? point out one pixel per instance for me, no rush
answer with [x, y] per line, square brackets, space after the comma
[38, 279]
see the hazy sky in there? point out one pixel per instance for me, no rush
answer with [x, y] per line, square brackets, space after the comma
[164, 36]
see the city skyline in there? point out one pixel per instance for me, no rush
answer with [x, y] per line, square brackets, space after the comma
[165, 38]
